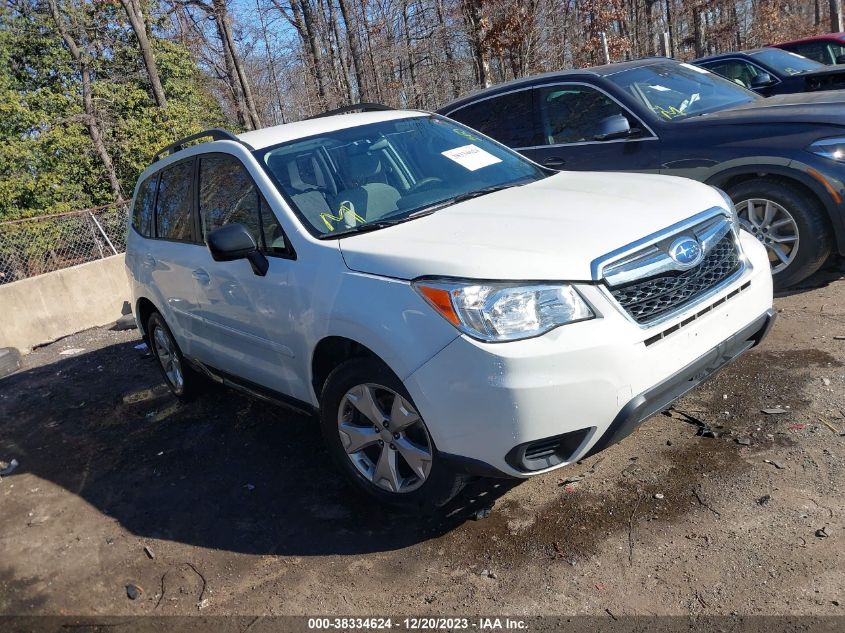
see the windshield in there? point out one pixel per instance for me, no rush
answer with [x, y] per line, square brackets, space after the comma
[366, 177]
[676, 91]
[786, 62]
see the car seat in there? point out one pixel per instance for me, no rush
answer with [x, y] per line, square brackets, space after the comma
[368, 197]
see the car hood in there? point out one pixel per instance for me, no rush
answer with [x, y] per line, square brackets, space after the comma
[826, 107]
[547, 230]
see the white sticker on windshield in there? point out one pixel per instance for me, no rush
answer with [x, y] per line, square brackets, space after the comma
[696, 69]
[659, 88]
[471, 157]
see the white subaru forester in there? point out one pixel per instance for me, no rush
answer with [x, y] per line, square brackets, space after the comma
[447, 307]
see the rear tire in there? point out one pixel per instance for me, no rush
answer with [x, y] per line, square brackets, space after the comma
[184, 382]
[379, 441]
[775, 212]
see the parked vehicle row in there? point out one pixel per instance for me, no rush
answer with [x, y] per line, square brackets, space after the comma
[781, 159]
[772, 71]
[446, 307]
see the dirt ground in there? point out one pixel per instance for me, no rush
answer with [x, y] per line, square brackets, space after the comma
[243, 513]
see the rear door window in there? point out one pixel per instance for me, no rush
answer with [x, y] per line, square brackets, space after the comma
[174, 218]
[227, 194]
[738, 71]
[508, 118]
[142, 212]
[572, 113]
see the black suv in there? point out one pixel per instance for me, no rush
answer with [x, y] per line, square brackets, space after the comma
[771, 71]
[781, 159]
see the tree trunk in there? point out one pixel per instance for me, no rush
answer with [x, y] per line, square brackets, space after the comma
[451, 68]
[232, 81]
[354, 50]
[342, 59]
[412, 101]
[224, 27]
[697, 30]
[836, 16]
[136, 19]
[81, 57]
[669, 28]
[271, 64]
[309, 23]
[477, 31]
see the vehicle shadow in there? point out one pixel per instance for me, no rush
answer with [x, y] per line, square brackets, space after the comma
[224, 471]
[833, 270]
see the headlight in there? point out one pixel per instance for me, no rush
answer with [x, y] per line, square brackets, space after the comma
[496, 312]
[832, 148]
[730, 207]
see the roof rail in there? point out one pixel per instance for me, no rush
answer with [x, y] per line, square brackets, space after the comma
[215, 134]
[355, 107]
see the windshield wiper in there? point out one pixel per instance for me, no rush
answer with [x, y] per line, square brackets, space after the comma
[469, 195]
[462, 197]
[365, 228]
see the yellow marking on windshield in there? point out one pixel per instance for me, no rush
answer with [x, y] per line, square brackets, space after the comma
[670, 112]
[346, 208]
[465, 134]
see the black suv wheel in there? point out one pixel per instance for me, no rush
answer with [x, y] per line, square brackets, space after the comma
[788, 222]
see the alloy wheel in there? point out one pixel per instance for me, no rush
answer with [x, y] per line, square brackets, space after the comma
[169, 359]
[385, 438]
[774, 227]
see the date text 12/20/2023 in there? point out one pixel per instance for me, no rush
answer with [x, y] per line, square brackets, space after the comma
[419, 624]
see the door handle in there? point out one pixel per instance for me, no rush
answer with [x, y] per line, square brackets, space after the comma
[554, 162]
[201, 276]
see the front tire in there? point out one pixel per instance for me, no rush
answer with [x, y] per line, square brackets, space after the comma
[789, 222]
[378, 439]
[183, 381]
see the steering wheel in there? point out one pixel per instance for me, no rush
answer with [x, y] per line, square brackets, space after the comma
[426, 183]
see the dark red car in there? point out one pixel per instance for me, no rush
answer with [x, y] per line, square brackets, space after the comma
[827, 49]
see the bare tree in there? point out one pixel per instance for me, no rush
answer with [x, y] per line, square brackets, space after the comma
[72, 31]
[139, 27]
[836, 16]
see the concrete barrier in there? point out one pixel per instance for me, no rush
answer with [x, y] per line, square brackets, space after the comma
[41, 309]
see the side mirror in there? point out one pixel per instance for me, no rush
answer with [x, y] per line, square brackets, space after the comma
[762, 80]
[234, 241]
[613, 127]
[840, 59]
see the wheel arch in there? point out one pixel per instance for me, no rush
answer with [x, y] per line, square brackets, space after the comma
[797, 179]
[143, 309]
[330, 352]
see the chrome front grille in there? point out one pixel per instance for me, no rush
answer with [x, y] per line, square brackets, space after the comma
[652, 298]
[651, 285]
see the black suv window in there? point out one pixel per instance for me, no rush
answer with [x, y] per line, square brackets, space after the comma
[174, 220]
[737, 70]
[142, 213]
[228, 194]
[507, 118]
[571, 113]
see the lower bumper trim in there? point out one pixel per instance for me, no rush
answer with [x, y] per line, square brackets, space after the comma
[661, 396]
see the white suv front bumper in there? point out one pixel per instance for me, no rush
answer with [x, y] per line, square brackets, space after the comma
[590, 382]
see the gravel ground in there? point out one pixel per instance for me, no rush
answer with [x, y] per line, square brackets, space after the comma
[241, 512]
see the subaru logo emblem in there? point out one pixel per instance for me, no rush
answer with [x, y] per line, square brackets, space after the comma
[686, 251]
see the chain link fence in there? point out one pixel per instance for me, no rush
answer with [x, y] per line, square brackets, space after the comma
[35, 246]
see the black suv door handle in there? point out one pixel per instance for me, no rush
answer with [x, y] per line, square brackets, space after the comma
[554, 162]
